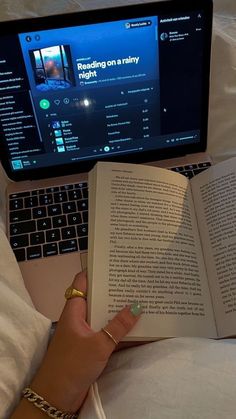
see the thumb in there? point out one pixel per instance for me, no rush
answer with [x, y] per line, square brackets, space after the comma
[121, 324]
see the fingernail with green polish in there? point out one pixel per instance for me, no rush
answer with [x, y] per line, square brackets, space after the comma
[136, 309]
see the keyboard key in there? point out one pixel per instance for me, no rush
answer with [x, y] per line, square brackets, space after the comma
[39, 212]
[188, 173]
[68, 233]
[74, 219]
[21, 228]
[31, 201]
[66, 187]
[52, 189]
[85, 193]
[68, 246]
[83, 243]
[21, 215]
[81, 185]
[20, 254]
[68, 207]
[37, 238]
[34, 252]
[53, 235]
[50, 249]
[46, 199]
[59, 221]
[177, 169]
[16, 204]
[85, 216]
[38, 192]
[60, 197]
[54, 209]
[75, 194]
[190, 167]
[82, 230]
[205, 164]
[82, 205]
[19, 195]
[44, 224]
[19, 241]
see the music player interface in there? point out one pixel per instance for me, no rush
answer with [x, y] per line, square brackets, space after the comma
[104, 89]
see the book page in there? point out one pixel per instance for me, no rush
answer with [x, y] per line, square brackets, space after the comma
[144, 246]
[215, 202]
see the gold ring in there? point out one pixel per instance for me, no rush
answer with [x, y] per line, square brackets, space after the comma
[110, 335]
[73, 292]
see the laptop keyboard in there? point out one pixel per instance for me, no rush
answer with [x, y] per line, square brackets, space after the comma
[54, 221]
[48, 222]
[191, 169]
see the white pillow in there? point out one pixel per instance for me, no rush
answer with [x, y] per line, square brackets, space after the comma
[24, 332]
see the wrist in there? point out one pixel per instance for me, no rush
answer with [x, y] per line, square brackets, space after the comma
[45, 407]
[27, 410]
[58, 392]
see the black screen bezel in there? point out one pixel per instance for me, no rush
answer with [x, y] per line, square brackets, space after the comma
[114, 14]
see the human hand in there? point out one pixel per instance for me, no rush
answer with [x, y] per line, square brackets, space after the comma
[77, 355]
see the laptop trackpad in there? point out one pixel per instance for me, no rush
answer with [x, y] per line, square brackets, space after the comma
[47, 279]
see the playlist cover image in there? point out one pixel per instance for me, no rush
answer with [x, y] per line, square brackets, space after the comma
[52, 68]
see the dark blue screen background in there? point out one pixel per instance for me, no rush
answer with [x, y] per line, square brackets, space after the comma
[102, 42]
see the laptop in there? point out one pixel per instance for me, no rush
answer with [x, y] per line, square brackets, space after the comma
[126, 84]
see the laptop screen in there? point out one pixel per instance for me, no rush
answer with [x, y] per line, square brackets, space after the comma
[136, 85]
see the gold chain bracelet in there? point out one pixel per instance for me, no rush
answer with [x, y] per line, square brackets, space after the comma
[41, 404]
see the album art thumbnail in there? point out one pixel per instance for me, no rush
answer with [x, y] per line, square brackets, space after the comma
[52, 68]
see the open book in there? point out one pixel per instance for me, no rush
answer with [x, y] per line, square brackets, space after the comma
[169, 243]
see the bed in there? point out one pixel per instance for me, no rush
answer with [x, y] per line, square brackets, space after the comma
[180, 378]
